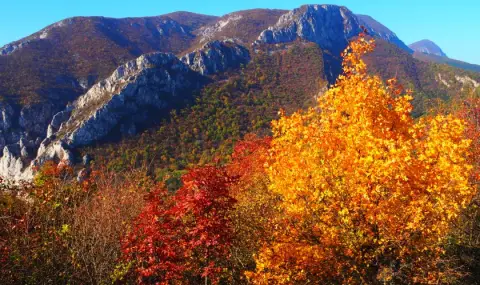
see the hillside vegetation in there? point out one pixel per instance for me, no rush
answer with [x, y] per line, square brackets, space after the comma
[314, 201]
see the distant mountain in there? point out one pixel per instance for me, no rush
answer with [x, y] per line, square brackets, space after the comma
[427, 47]
[428, 51]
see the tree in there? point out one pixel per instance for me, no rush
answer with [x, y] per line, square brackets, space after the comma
[34, 230]
[186, 237]
[367, 194]
[59, 230]
[464, 242]
[255, 209]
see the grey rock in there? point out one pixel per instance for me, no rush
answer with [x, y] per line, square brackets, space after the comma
[57, 151]
[24, 152]
[13, 47]
[12, 165]
[329, 26]
[35, 118]
[6, 116]
[145, 82]
[217, 56]
[58, 119]
[86, 159]
[151, 81]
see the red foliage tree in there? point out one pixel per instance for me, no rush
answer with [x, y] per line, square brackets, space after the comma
[186, 237]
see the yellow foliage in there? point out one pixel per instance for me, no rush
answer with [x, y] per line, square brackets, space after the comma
[367, 194]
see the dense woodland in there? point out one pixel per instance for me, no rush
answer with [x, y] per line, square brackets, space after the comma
[349, 187]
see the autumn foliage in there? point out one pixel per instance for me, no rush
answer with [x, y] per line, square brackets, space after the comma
[184, 237]
[367, 194]
[350, 191]
[67, 231]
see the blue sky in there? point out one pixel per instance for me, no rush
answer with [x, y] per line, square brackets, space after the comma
[453, 25]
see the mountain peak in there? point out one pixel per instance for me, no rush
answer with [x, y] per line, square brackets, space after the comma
[428, 47]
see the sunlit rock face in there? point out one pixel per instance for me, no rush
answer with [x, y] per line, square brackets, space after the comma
[217, 56]
[329, 26]
[153, 83]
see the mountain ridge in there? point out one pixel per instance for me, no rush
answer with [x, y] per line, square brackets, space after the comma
[49, 70]
[427, 47]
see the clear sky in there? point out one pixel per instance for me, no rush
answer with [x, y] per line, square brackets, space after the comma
[453, 25]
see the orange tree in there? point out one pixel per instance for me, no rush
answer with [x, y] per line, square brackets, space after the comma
[253, 213]
[464, 244]
[367, 194]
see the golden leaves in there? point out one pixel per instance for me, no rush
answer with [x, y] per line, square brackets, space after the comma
[362, 185]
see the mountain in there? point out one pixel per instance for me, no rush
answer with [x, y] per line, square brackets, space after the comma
[427, 47]
[445, 60]
[192, 84]
[329, 26]
[137, 93]
[244, 26]
[428, 51]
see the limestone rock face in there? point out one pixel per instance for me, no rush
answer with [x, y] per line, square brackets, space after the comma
[26, 124]
[34, 119]
[152, 84]
[329, 26]
[12, 165]
[217, 56]
[6, 116]
[152, 81]
[156, 81]
[208, 33]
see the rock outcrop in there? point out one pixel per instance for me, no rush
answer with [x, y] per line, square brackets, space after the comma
[208, 33]
[329, 26]
[217, 56]
[158, 81]
[135, 94]
[26, 124]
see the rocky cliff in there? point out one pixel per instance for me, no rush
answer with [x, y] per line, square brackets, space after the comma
[217, 56]
[137, 92]
[329, 26]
